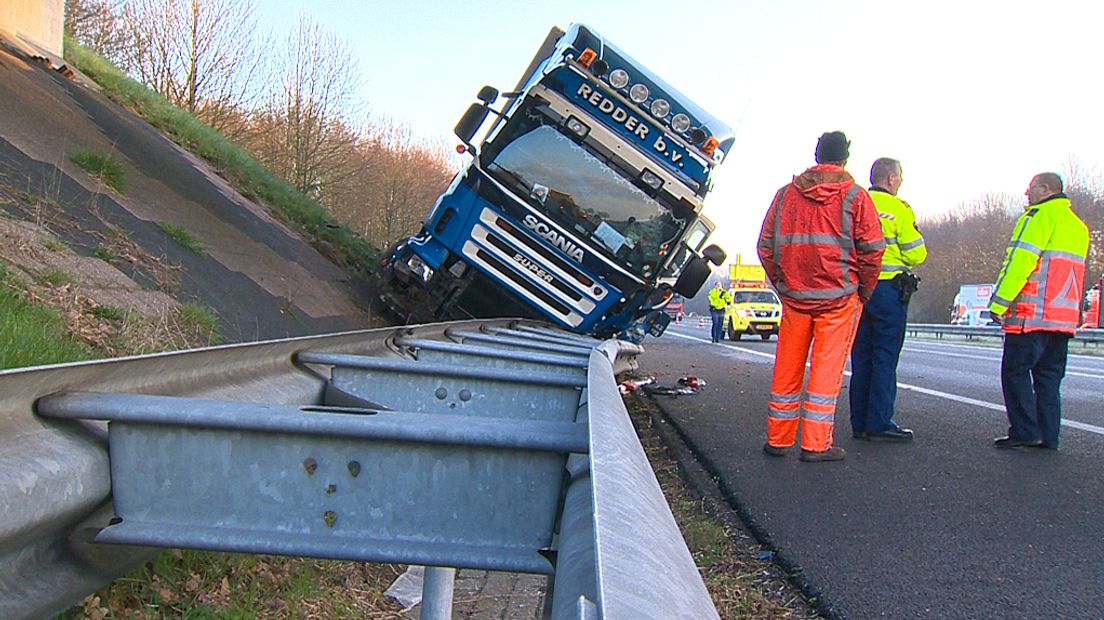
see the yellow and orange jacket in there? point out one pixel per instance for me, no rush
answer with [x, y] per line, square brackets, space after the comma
[1041, 281]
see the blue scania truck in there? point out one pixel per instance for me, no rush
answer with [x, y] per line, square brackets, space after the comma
[581, 204]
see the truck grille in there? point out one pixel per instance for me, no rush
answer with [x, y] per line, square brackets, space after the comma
[539, 274]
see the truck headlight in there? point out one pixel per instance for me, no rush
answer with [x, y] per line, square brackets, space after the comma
[418, 267]
[619, 78]
[638, 93]
[680, 122]
[660, 108]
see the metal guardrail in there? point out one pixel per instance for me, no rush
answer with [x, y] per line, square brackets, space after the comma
[485, 444]
[988, 331]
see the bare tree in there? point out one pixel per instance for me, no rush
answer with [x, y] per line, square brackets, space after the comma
[396, 182]
[406, 177]
[198, 54]
[320, 80]
[965, 246]
[95, 25]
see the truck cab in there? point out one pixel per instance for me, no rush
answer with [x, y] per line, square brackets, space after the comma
[581, 204]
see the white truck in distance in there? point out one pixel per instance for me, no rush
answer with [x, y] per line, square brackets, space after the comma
[971, 305]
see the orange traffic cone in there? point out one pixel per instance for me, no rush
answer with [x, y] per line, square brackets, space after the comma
[701, 323]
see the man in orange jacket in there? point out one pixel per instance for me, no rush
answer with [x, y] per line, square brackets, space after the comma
[821, 245]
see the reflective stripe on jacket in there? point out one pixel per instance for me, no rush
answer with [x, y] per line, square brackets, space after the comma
[719, 298]
[1041, 281]
[905, 247]
[821, 240]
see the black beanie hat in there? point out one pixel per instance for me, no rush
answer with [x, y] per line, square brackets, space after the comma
[832, 147]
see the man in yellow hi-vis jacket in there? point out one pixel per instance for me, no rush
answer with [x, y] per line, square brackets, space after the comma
[1038, 301]
[881, 332]
[719, 299]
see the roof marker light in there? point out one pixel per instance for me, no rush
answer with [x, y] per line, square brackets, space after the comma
[587, 57]
[638, 93]
[651, 179]
[577, 127]
[710, 145]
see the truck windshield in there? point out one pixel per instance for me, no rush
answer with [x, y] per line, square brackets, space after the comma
[563, 180]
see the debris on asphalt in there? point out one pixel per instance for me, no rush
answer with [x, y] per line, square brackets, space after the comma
[692, 382]
[633, 384]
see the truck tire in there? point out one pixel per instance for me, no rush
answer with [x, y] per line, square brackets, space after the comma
[765, 336]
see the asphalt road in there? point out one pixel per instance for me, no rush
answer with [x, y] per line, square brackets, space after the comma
[943, 527]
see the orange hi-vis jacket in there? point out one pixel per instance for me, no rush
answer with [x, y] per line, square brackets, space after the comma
[1042, 278]
[821, 240]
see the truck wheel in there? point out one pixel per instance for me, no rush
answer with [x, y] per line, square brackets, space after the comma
[765, 336]
[733, 334]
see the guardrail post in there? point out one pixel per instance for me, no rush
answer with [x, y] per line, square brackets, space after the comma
[437, 590]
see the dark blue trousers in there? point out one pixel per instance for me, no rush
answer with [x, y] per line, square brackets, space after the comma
[874, 354]
[718, 323]
[1032, 368]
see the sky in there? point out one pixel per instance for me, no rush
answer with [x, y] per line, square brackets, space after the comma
[974, 97]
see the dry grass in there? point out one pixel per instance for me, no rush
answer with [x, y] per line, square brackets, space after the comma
[741, 584]
[195, 584]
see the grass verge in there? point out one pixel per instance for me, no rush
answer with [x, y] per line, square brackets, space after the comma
[235, 164]
[201, 585]
[102, 167]
[181, 236]
[33, 334]
[741, 584]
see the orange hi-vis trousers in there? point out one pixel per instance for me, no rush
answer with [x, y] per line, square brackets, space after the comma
[830, 335]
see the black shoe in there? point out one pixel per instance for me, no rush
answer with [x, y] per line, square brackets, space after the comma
[835, 453]
[774, 450]
[1012, 442]
[860, 434]
[893, 434]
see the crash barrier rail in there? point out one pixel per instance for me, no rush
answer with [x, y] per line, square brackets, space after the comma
[494, 445]
[988, 331]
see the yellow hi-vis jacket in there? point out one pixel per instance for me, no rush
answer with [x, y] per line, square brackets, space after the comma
[1041, 281]
[719, 298]
[905, 247]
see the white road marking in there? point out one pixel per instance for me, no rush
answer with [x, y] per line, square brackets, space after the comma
[1070, 370]
[996, 347]
[930, 392]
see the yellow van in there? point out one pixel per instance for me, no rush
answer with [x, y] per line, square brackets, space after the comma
[754, 310]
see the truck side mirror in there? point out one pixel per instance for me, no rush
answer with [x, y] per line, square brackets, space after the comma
[693, 276]
[714, 254]
[487, 94]
[470, 122]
